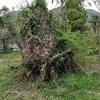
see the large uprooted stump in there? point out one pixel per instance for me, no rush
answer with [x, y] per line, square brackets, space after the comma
[36, 55]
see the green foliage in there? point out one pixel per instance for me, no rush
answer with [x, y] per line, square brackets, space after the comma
[36, 19]
[64, 42]
[69, 40]
[75, 14]
[77, 4]
[77, 20]
[91, 43]
[76, 81]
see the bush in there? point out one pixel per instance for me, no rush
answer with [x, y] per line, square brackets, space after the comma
[65, 41]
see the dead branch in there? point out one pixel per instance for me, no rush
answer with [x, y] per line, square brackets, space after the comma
[47, 76]
[59, 55]
[81, 68]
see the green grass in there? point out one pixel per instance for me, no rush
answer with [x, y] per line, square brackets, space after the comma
[93, 59]
[6, 74]
[73, 87]
[15, 86]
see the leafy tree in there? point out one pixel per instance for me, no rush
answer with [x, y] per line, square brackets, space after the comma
[3, 39]
[70, 4]
[75, 14]
[77, 20]
[7, 27]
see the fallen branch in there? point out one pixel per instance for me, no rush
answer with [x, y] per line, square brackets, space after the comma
[59, 55]
[47, 76]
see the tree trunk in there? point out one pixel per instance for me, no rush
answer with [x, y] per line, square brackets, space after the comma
[99, 44]
[4, 45]
[48, 65]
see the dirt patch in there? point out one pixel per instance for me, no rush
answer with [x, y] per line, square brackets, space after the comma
[1, 60]
[16, 59]
[93, 67]
[93, 93]
[18, 94]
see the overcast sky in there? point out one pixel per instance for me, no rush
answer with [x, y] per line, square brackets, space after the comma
[17, 3]
[87, 5]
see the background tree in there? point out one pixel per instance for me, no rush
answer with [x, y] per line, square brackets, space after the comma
[7, 27]
[95, 20]
[4, 31]
[95, 23]
[75, 14]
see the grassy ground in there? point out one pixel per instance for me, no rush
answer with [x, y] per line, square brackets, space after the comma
[76, 86]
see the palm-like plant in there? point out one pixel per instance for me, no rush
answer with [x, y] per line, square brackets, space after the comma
[95, 23]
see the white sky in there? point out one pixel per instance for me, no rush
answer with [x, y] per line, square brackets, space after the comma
[14, 3]
[87, 5]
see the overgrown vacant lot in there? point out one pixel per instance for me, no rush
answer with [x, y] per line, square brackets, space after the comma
[14, 85]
